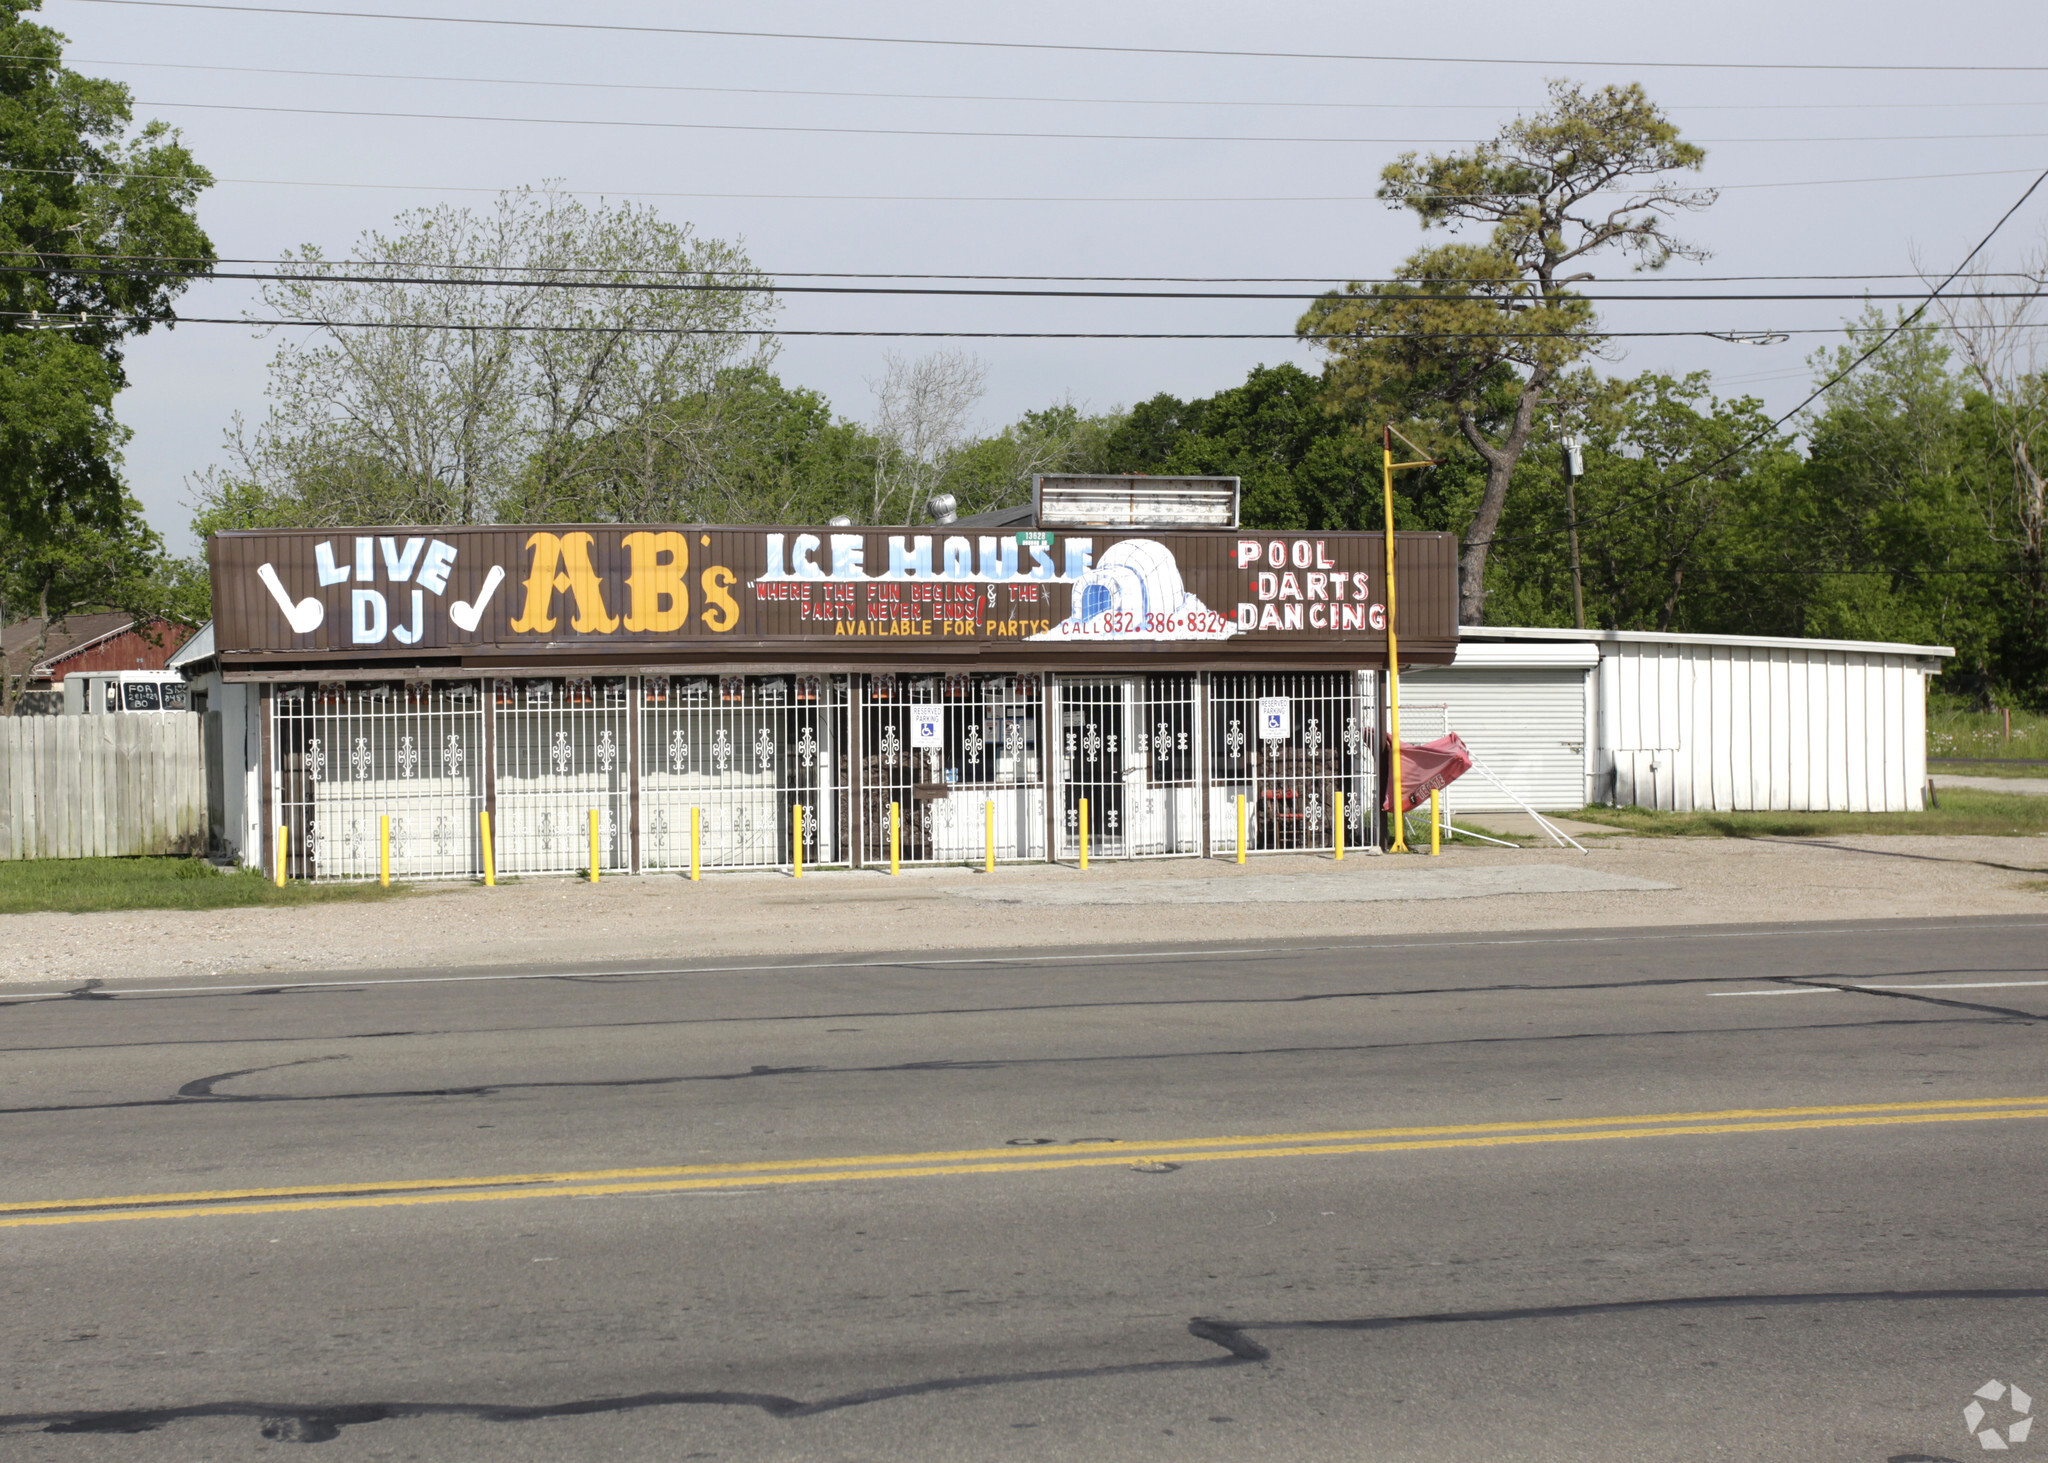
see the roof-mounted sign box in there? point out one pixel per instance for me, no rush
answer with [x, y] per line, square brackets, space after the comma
[1133, 501]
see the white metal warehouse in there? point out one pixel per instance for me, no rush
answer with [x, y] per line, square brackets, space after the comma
[1681, 722]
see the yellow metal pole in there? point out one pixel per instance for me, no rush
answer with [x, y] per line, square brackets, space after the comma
[1084, 835]
[696, 843]
[1388, 467]
[1436, 821]
[384, 849]
[895, 837]
[483, 819]
[988, 841]
[1340, 826]
[1240, 827]
[593, 845]
[1393, 644]
[283, 837]
[796, 839]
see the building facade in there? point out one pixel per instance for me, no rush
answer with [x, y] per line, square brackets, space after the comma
[734, 695]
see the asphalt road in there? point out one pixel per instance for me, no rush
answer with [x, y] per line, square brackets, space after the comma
[1756, 1194]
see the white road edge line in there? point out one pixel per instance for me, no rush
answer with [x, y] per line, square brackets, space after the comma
[1846, 986]
[1794, 991]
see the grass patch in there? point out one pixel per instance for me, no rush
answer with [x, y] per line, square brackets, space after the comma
[84, 885]
[1987, 769]
[1963, 812]
[1956, 733]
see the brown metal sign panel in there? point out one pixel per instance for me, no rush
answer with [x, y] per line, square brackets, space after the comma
[630, 596]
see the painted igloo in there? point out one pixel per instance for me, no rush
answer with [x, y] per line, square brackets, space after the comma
[1133, 580]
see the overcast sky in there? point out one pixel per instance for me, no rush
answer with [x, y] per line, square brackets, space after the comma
[1788, 147]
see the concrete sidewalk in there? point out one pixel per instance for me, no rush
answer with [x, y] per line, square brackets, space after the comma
[1621, 883]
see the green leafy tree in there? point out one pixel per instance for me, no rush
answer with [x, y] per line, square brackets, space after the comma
[98, 236]
[996, 471]
[560, 361]
[1470, 336]
[1902, 523]
[1667, 505]
[1302, 465]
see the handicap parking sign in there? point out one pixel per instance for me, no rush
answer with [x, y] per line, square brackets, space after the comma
[1276, 718]
[927, 729]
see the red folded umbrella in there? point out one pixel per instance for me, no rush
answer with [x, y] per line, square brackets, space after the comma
[1426, 766]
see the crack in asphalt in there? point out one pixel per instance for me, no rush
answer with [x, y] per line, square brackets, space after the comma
[323, 1422]
[200, 1093]
[922, 1013]
[1816, 983]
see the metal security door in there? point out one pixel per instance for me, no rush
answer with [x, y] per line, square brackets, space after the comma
[349, 756]
[1163, 800]
[561, 755]
[754, 758]
[1093, 763]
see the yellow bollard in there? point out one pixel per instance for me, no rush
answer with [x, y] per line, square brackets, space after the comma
[1436, 821]
[796, 840]
[895, 837]
[1240, 827]
[283, 840]
[1084, 835]
[696, 843]
[384, 849]
[483, 820]
[988, 840]
[593, 845]
[1340, 827]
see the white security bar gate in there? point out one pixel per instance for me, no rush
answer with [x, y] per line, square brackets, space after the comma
[1287, 742]
[755, 759]
[956, 756]
[348, 756]
[562, 753]
[1160, 760]
[1130, 747]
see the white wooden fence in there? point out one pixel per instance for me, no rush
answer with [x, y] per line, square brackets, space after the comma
[80, 786]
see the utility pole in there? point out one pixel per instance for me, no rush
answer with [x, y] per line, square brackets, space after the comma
[1574, 469]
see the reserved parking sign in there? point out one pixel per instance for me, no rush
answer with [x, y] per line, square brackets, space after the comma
[927, 728]
[1276, 718]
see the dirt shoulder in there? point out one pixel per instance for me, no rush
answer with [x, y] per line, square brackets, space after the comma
[1621, 883]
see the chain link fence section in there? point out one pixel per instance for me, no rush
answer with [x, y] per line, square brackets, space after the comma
[561, 752]
[346, 756]
[750, 755]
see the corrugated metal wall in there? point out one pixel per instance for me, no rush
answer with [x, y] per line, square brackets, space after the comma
[1734, 728]
[1526, 724]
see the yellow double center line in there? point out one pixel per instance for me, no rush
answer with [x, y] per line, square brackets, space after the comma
[597, 1183]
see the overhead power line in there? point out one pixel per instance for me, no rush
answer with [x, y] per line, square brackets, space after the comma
[992, 134]
[1321, 280]
[1905, 323]
[317, 275]
[996, 97]
[1127, 200]
[714, 330]
[1058, 46]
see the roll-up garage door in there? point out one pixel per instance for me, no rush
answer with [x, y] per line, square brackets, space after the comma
[1527, 725]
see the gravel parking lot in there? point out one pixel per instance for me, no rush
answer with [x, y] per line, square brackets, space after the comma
[1621, 882]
